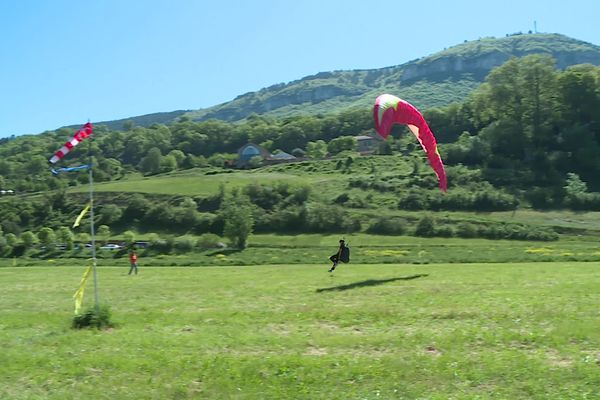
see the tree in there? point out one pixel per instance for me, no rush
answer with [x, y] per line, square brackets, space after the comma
[11, 239]
[178, 155]
[575, 186]
[292, 136]
[36, 165]
[3, 241]
[255, 162]
[65, 236]
[83, 237]
[316, 149]
[110, 213]
[168, 163]
[128, 125]
[340, 144]
[47, 237]
[111, 167]
[129, 237]
[137, 208]
[150, 164]
[29, 239]
[236, 211]
[104, 232]
[186, 217]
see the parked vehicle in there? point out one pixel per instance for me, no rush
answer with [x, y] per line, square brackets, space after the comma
[111, 246]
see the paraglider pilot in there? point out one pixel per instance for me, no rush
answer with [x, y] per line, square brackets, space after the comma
[343, 255]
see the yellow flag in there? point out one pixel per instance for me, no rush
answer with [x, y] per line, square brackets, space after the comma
[78, 296]
[81, 215]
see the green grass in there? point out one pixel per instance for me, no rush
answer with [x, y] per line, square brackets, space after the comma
[188, 184]
[206, 181]
[439, 331]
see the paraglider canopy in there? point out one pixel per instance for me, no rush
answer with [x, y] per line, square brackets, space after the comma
[390, 110]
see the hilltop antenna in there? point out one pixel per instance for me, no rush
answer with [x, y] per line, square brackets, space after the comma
[534, 26]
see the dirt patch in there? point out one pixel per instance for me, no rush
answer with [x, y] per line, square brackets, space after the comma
[432, 351]
[315, 351]
[557, 360]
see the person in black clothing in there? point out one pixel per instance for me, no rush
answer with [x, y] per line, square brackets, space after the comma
[343, 255]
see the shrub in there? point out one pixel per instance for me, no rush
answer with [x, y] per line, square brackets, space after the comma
[466, 230]
[358, 202]
[445, 231]
[288, 219]
[163, 246]
[414, 200]
[351, 225]
[183, 244]
[92, 318]
[321, 218]
[542, 234]
[584, 202]
[387, 226]
[208, 241]
[341, 198]
[425, 227]
[544, 198]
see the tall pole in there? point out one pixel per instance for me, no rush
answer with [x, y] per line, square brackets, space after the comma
[93, 232]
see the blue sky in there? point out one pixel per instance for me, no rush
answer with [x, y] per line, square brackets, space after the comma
[64, 62]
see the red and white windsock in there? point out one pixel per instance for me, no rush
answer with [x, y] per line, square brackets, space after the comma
[81, 134]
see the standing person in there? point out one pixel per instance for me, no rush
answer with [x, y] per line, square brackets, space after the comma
[343, 255]
[133, 261]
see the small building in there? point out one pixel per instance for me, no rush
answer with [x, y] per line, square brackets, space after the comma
[365, 144]
[247, 151]
[282, 156]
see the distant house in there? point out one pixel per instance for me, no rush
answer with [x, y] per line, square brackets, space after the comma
[365, 144]
[282, 156]
[247, 151]
[250, 150]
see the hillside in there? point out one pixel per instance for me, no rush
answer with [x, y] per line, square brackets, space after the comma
[140, 120]
[431, 81]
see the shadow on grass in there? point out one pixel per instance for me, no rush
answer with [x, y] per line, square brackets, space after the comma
[370, 282]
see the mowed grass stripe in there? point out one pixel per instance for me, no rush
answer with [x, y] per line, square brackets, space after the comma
[193, 185]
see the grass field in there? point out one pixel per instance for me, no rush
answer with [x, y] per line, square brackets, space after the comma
[391, 331]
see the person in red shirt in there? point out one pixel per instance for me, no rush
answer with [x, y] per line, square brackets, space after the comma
[133, 262]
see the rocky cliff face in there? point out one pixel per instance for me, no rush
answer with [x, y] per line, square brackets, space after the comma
[306, 95]
[454, 64]
[487, 62]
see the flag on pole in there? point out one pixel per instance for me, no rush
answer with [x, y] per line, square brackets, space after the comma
[78, 296]
[81, 215]
[69, 169]
[81, 134]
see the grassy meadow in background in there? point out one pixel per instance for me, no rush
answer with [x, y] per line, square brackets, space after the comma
[463, 331]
